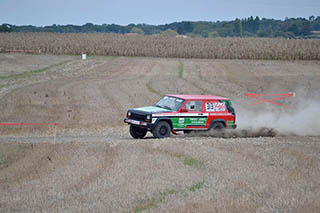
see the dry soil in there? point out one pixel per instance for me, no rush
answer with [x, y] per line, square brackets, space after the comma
[271, 163]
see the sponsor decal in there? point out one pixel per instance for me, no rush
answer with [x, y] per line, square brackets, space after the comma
[198, 121]
[181, 123]
[216, 107]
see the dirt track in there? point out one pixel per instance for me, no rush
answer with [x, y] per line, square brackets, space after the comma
[95, 165]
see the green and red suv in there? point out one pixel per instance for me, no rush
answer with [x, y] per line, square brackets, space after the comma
[181, 113]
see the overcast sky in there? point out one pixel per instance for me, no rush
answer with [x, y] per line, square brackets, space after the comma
[123, 12]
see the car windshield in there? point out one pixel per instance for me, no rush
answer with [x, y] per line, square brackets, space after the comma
[170, 103]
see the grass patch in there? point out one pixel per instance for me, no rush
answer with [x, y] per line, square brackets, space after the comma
[30, 73]
[23, 75]
[188, 161]
[2, 162]
[15, 76]
[162, 197]
[196, 186]
[145, 206]
[150, 88]
[4, 85]
[40, 70]
[181, 69]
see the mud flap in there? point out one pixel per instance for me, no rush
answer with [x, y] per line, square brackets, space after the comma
[174, 132]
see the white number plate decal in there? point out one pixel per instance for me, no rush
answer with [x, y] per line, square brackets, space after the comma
[215, 107]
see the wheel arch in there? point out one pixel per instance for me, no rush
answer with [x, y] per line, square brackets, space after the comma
[217, 121]
[166, 119]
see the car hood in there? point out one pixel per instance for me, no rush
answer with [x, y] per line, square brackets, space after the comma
[150, 110]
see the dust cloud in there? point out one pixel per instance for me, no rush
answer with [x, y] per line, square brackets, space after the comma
[301, 119]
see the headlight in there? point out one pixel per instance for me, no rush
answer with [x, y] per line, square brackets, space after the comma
[148, 117]
[129, 114]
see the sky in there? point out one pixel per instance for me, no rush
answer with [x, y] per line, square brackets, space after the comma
[124, 12]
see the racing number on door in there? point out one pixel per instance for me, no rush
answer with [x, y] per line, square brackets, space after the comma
[209, 107]
[215, 107]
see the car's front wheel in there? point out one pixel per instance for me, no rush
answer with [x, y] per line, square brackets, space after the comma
[162, 130]
[137, 132]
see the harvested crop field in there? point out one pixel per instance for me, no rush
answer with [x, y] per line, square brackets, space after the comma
[270, 163]
[108, 44]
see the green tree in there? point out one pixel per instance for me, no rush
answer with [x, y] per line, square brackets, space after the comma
[294, 29]
[5, 28]
[311, 18]
[306, 28]
[264, 33]
[202, 28]
[169, 33]
[137, 30]
[185, 27]
[237, 27]
[213, 34]
[256, 24]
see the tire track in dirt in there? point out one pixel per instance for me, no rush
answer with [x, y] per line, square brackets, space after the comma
[214, 77]
[155, 70]
[118, 89]
[31, 166]
[171, 81]
[116, 107]
[65, 169]
[241, 76]
[109, 156]
[152, 90]
[138, 73]
[53, 73]
[71, 97]
[193, 76]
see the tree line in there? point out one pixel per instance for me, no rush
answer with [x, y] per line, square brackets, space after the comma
[247, 27]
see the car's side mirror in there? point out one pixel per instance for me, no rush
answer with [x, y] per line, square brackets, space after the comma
[183, 110]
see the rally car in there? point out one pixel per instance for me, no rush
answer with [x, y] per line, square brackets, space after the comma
[184, 113]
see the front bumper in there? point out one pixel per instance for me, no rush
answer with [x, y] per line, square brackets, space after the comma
[138, 123]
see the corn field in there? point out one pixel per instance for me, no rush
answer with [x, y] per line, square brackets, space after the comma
[160, 46]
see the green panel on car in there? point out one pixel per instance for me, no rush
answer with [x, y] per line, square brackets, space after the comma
[183, 122]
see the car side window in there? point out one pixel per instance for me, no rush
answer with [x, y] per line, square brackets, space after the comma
[193, 106]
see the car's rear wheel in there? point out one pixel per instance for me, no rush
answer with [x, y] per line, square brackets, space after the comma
[162, 130]
[137, 132]
[217, 126]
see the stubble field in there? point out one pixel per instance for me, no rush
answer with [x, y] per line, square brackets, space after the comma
[96, 166]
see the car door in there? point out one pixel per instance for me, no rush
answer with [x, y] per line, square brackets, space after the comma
[216, 110]
[194, 118]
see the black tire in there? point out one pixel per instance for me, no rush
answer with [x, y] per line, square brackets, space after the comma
[217, 126]
[137, 132]
[162, 130]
